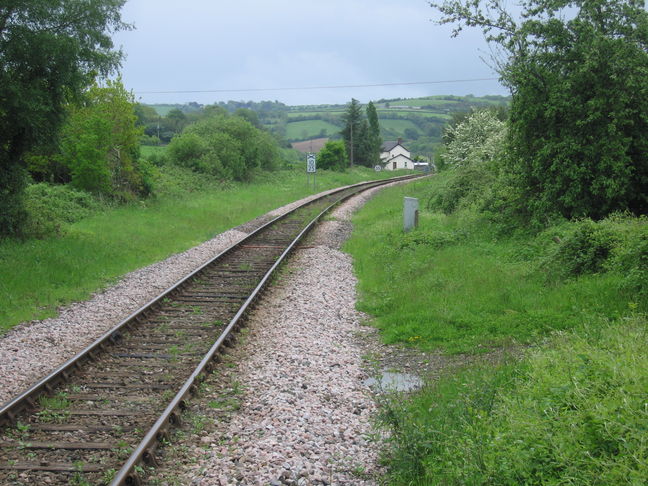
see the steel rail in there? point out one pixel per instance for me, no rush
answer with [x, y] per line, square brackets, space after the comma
[127, 475]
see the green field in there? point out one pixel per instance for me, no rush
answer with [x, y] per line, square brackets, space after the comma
[304, 130]
[441, 101]
[148, 150]
[296, 114]
[398, 126]
[442, 117]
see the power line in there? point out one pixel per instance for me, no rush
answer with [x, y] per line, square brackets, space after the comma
[305, 88]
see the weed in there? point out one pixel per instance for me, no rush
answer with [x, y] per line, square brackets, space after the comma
[108, 476]
[55, 408]
[78, 478]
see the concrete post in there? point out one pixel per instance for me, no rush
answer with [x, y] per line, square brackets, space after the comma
[410, 213]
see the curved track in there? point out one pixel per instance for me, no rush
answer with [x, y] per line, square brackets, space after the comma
[101, 415]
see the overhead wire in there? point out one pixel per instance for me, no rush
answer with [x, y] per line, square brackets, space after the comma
[305, 88]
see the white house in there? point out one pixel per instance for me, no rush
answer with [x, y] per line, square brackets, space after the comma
[395, 156]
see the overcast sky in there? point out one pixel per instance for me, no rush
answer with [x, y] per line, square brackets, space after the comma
[202, 45]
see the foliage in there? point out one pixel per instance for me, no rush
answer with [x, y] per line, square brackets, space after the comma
[100, 144]
[333, 156]
[572, 412]
[479, 138]
[463, 187]
[352, 119]
[474, 152]
[228, 147]
[615, 244]
[585, 249]
[374, 140]
[577, 71]
[361, 134]
[51, 208]
[50, 51]
[461, 285]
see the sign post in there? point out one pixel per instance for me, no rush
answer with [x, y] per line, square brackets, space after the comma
[410, 213]
[311, 168]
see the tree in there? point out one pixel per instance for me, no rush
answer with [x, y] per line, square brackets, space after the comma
[577, 71]
[361, 134]
[479, 139]
[352, 119]
[50, 50]
[100, 143]
[375, 140]
[224, 146]
[333, 156]
[176, 120]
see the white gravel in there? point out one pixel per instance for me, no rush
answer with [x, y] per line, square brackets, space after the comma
[304, 415]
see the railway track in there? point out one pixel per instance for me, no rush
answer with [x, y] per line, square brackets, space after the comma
[99, 417]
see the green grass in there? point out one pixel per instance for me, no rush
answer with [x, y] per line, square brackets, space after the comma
[398, 125]
[453, 284]
[148, 150]
[572, 410]
[40, 275]
[441, 117]
[303, 130]
[296, 114]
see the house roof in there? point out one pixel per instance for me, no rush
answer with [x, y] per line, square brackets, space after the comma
[388, 146]
[399, 156]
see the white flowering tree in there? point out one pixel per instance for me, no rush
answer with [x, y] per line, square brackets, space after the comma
[478, 139]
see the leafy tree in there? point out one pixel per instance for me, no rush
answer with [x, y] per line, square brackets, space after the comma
[249, 115]
[224, 146]
[374, 139]
[478, 139]
[333, 156]
[100, 144]
[352, 119]
[176, 119]
[577, 70]
[50, 50]
[361, 134]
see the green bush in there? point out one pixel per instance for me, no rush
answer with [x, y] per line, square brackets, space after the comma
[630, 259]
[51, 208]
[464, 186]
[227, 147]
[585, 250]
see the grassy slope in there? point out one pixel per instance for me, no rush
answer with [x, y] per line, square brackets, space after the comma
[40, 275]
[572, 412]
[302, 130]
[454, 285]
[398, 125]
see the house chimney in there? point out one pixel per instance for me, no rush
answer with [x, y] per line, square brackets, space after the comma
[400, 141]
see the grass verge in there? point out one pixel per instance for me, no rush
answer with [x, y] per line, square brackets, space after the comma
[574, 409]
[40, 275]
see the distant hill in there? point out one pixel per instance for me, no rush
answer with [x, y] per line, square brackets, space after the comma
[418, 121]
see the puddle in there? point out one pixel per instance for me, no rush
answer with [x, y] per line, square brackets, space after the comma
[390, 381]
